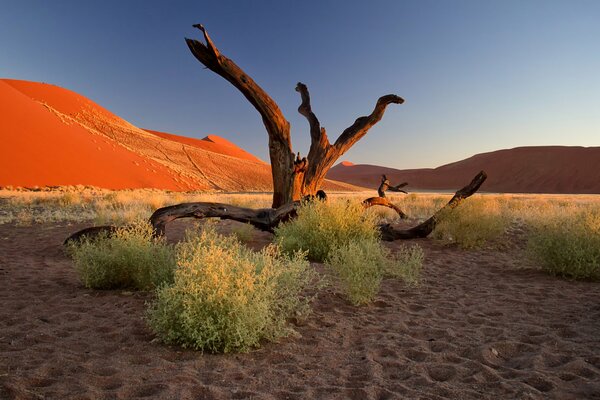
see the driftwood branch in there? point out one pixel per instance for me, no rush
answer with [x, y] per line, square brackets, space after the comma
[385, 185]
[391, 233]
[265, 219]
[382, 201]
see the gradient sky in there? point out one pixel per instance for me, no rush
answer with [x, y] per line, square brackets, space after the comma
[476, 75]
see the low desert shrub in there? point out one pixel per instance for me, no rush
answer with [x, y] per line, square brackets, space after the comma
[361, 265]
[129, 258]
[472, 224]
[568, 245]
[226, 297]
[405, 263]
[322, 226]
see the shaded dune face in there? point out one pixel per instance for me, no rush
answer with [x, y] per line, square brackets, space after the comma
[540, 169]
[52, 136]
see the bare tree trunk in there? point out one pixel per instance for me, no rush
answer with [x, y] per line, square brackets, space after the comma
[293, 177]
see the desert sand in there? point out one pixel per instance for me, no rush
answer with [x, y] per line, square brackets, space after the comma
[536, 169]
[482, 325]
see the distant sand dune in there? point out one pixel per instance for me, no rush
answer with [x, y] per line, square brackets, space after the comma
[540, 169]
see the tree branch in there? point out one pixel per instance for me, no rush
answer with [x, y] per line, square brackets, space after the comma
[391, 233]
[362, 125]
[382, 201]
[317, 133]
[209, 55]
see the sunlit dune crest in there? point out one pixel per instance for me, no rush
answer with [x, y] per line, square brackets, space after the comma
[538, 169]
[212, 143]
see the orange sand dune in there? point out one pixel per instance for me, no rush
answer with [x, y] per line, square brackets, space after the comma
[541, 169]
[38, 148]
[54, 136]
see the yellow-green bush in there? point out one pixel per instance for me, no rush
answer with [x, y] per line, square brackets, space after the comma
[361, 265]
[405, 263]
[472, 224]
[568, 245]
[226, 297]
[321, 226]
[129, 258]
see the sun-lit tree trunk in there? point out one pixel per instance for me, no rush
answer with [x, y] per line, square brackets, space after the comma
[293, 176]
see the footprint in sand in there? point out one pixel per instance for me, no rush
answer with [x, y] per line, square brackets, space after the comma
[441, 372]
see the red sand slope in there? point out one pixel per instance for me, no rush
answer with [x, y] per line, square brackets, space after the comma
[543, 169]
[53, 136]
[38, 148]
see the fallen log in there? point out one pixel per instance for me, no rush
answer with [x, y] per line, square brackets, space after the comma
[267, 219]
[390, 233]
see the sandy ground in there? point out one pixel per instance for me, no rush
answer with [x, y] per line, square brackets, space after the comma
[479, 326]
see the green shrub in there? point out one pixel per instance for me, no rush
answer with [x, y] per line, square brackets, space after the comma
[130, 258]
[568, 245]
[405, 263]
[472, 224]
[321, 226]
[226, 297]
[361, 265]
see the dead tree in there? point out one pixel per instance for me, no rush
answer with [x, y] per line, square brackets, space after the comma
[293, 177]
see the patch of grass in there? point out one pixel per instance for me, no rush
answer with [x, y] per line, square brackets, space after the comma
[322, 226]
[227, 298]
[472, 224]
[130, 258]
[568, 245]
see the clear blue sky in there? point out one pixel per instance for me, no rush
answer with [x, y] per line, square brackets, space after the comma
[476, 75]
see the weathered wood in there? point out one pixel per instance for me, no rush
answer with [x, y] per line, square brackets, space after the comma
[293, 178]
[391, 233]
[382, 201]
[322, 154]
[265, 219]
[278, 128]
[385, 185]
[91, 232]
